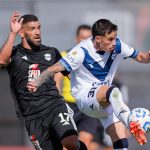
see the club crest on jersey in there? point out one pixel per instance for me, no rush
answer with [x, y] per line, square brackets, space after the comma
[47, 57]
[74, 52]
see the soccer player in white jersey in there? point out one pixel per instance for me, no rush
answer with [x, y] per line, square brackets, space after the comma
[92, 64]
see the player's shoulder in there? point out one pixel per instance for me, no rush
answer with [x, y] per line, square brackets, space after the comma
[16, 48]
[86, 42]
[48, 49]
[82, 44]
[45, 47]
[119, 41]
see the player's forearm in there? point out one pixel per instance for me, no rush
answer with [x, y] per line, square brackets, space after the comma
[58, 67]
[43, 77]
[6, 49]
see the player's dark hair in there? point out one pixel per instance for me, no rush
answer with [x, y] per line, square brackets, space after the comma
[29, 18]
[83, 27]
[103, 26]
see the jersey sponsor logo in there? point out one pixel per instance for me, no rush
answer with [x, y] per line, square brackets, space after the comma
[35, 142]
[47, 57]
[25, 57]
[64, 118]
[100, 83]
[34, 72]
[71, 58]
[92, 92]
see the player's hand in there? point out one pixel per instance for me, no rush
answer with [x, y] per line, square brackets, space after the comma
[15, 25]
[31, 86]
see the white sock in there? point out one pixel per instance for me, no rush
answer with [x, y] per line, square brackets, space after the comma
[121, 110]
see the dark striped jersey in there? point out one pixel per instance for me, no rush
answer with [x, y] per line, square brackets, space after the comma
[27, 65]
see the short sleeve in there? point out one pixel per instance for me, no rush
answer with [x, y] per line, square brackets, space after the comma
[127, 51]
[73, 59]
[58, 55]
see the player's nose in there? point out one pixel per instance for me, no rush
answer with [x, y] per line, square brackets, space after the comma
[114, 43]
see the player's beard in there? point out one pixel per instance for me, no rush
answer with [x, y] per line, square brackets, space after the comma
[34, 45]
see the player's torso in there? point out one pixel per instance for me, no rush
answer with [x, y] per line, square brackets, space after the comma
[97, 67]
[27, 66]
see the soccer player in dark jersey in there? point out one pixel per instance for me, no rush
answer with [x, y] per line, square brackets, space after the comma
[47, 118]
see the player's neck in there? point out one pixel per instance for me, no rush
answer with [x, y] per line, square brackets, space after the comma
[96, 45]
[26, 45]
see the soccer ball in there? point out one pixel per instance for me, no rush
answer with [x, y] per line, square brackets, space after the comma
[141, 115]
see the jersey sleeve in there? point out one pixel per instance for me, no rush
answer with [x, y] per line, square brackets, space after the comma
[127, 51]
[73, 59]
[13, 54]
[58, 55]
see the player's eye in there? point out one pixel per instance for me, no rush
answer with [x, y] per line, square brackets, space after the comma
[31, 28]
[39, 27]
[111, 39]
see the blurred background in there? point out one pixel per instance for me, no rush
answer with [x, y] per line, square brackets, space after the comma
[59, 19]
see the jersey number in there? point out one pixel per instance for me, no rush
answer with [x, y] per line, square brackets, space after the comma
[64, 118]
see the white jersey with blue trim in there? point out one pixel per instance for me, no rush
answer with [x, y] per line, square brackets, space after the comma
[89, 66]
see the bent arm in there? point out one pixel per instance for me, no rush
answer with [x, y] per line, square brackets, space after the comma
[143, 57]
[6, 50]
[50, 71]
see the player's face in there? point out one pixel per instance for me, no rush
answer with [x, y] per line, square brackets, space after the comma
[32, 33]
[106, 42]
[83, 34]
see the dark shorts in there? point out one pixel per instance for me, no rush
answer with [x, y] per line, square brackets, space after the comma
[83, 122]
[47, 131]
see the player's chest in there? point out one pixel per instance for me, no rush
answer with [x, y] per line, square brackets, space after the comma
[35, 61]
[101, 59]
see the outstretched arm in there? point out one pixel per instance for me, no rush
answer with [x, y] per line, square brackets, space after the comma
[6, 50]
[143, 57]
[50, 71]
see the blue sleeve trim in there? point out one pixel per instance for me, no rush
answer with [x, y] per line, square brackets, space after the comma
[135, 53]
[65, 64]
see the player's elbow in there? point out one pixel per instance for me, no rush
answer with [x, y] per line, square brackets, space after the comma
[3, 62]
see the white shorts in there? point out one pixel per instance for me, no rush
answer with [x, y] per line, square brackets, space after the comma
[88, 104]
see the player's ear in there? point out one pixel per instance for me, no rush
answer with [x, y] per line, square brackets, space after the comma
[21, 33]
[97, 39]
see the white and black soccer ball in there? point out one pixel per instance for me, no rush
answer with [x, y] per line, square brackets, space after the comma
[141, 115]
